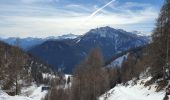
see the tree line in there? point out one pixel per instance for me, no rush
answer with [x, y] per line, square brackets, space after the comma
[13, 70]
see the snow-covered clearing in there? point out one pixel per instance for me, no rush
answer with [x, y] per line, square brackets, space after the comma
[133, 92]
[119, 61]
[31, 93]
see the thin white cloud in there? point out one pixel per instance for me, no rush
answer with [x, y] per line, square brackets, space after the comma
[56, 25]
[100, 9]
[39, 21]
[38, 1]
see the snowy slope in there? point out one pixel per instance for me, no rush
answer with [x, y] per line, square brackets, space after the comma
[133, 92]
[38, 94]
[118, 62]
[6, 97]
[31, 93]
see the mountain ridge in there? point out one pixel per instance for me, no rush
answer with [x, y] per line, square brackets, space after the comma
[29, 42]
[66, 53]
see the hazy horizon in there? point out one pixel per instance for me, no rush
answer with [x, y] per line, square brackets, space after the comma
[58, 35]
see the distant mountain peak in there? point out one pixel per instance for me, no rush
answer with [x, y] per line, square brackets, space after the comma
[102, 31]
[68, 36]
[139, 33]
[108, 32]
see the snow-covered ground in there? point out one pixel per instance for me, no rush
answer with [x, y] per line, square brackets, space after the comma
[38, 94]
[133, 92]
[118, 62]
[31, 93]
[7, 97]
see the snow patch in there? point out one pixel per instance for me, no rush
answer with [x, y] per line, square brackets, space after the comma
[118, 62]
[31, 93]
[133, 92]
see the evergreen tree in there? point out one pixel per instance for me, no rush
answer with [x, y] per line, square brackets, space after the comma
[160, 48]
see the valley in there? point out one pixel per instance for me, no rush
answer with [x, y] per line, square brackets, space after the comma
[85, 50]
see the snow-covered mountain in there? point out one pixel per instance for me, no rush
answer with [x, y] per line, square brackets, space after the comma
[24, 43]
[66, 53]
[27, 43]
[68, 36]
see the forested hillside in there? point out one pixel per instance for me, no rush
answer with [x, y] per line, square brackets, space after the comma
[19, 69]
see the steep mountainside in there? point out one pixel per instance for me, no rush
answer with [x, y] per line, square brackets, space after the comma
[119, 58]
[65, 54]
[11, 56]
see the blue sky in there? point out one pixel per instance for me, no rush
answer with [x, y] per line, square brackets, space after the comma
[43, 18]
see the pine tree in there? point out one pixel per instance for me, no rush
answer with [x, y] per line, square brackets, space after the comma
[161, 42]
